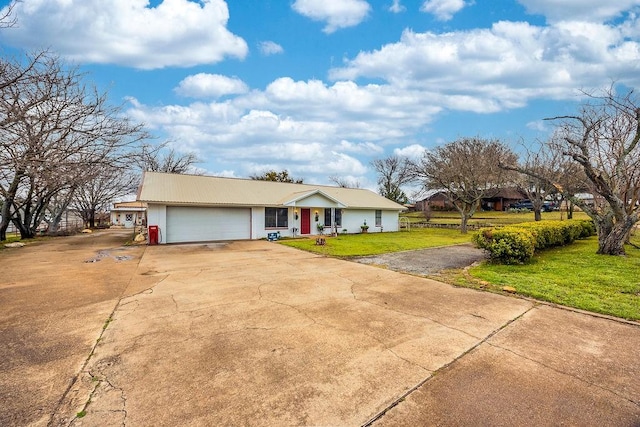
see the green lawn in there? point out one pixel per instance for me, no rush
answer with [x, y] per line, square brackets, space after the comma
[572, 275]
[349, 245]
[488, 218]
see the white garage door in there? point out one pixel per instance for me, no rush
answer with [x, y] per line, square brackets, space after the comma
[190, 224]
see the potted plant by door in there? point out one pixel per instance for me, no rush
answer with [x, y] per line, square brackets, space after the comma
[364, 227]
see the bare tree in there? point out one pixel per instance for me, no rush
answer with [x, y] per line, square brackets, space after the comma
[7, 18]
[468, 170]
[272, 175]
[393, 173]
[571, 180]
[544, 172]
[161, 158]
[603, 139]
[545, 163]
[344, 182]
[97, 194]
[54, 133]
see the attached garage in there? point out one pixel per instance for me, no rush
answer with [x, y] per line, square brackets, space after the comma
[198, 224]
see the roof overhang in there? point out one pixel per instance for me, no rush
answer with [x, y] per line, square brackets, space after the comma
[298, 199]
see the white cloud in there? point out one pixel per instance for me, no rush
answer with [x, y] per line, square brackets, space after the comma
[270, 48]
[359, 147]
[502, 67]
[178, 33]
[345, 101]
[579, 10]
[336, 13]
[442, 9]
[397, 7]
[538, 125]
[308, 127]
[316, 129]
[223, 173]
[203, 85]
[413, 151]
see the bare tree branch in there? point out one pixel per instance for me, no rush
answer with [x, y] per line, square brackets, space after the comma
[7, 17]
[161, 158]
[604, 140]
[344, 182]
[467, 170]
[56, 134]
[393, 173]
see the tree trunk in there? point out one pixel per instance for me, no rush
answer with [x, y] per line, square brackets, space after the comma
[54, 224]
[25, 232]
[463, 223]
[612, 236]
[4, 222]
[8, 202]
[537, 214]
[570, 211]
[57, 210]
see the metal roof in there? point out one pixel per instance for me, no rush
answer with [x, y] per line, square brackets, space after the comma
[179, 189]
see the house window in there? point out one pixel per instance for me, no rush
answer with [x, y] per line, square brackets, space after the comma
[276, 217]
[378, 218]
[128, 217]
[327, 217]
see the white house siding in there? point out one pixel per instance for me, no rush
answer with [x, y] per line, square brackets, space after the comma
[261, 232]
[390, 220]
[353, 219]
[157, 215]
[120, 217]
[257, 222]
[314, 201]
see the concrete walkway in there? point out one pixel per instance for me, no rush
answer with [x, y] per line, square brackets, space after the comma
[254, 333]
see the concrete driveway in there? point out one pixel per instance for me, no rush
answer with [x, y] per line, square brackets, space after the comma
[254, 333]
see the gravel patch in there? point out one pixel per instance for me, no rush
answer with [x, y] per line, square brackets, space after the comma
[427, 261]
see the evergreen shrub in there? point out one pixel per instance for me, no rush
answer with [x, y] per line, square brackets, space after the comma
[517, 243]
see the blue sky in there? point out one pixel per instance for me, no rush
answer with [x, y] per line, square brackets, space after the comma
[322, 87]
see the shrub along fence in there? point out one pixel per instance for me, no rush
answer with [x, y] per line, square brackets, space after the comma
[517, 243]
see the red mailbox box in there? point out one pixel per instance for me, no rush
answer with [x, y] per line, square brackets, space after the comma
[154, 233]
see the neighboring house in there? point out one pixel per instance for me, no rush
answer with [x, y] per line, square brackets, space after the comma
[436, 200]
[502, 198]
[498, 200]
[192, 208]
[128, 214]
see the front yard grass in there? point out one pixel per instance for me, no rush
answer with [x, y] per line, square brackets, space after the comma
[572, 275]
[488, 218]
[351, 245]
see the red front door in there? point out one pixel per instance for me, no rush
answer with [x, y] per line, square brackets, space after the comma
[305, 221]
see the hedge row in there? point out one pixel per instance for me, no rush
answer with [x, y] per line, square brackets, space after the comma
[517, 243]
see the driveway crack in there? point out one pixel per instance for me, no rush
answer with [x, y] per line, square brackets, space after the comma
[406, 394]
[591, 383]
[85, 364]
[420, 316]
